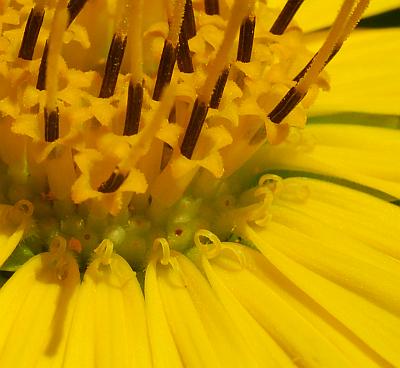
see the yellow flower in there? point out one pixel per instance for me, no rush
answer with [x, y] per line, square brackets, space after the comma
[163, 203]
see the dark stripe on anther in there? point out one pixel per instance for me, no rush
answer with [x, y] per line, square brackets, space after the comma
[41, 81]
[211, 7]
[304, 70]
[114, 61]
[51, 129]
[219, 89]
[286, 105]
[246, 38]
[133, 108]
[193, 130]
[166, 156]
[31, 34]
[259, 136]
[189, 23]
[74, 8]
[285, 17]
[184, 59]
[165, 69]
[112, 183]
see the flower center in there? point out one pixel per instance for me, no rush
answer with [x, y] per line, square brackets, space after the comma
[139, 143]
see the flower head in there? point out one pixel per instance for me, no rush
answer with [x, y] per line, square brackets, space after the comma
[155, 207]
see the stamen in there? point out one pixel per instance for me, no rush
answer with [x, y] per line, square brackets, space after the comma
[334, 36]
[351, 24]
[113, 183]
[165, 69]
[133, 108]
[285, 17]
[344, 23]
[58, 27]
[189, 23]
[211, 7]
[74, 7]
[286, 105]
[216, 66]
[51, 123]
[184, 58]
[214, 69]
[168, 56]
[113, 65]
[219, 88]
[246, 38]
[196, 122]
[31, 32]
[135, 91]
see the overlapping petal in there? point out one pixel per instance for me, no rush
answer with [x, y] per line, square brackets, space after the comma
[361, 154]
[364, 75]
[316, 14]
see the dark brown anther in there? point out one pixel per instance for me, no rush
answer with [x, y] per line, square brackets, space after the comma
[167, 149]
[219, 89]
[189, 23]
[112, 184]
[285, 17]
[259, 136]
[165, 69]
[304, 70]
[31, 34]
[114, 61]
[74, 8]
[166, 155]
[133, 108]
[286, 105]
[184, 59]
[41, 81]
[51, 126]
[193, 130]
[246, 38]
[211, 7]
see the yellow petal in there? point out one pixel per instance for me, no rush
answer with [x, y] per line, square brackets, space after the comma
[364, 75]
[163, 348]
[302, 342]
[364, 155]
[316, 14]
[375, 326]
[109, 323]
[13, 222]
[263, 347]
[350, 213]
[36, 309]
[227, 270]
[204, 334]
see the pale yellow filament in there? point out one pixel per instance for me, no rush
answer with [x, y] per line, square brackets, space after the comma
[353, 20]
[176, 22]
[40, 4]
[121, 16]
[58, 27]
[335, 35]
[136, 41]
[239, 11]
